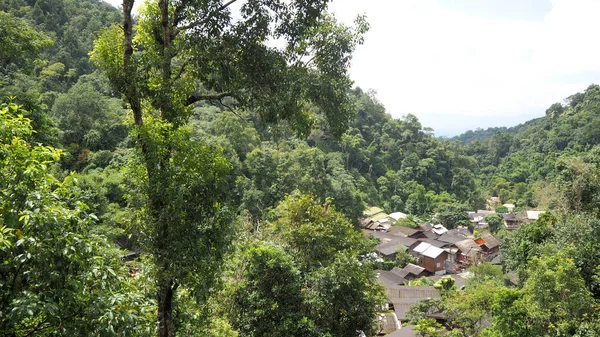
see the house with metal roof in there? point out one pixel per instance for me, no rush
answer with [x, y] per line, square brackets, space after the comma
[431, 258]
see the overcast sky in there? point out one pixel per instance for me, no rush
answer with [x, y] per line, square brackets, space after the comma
[462, 64]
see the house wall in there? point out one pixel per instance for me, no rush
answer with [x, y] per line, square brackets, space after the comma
[433, 265]
[428, 263]
[440, 261]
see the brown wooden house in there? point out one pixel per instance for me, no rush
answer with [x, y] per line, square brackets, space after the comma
[489, 244]
[431, 258]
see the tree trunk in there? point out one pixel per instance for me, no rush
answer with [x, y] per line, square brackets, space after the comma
[166, 326]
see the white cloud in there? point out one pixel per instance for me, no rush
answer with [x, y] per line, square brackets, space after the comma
[427, 60]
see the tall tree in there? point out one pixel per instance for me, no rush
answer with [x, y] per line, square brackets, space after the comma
[186, 51]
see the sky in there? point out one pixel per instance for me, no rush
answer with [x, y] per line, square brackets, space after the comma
[462, 64]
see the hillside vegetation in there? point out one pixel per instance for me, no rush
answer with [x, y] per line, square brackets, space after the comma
[173, 174]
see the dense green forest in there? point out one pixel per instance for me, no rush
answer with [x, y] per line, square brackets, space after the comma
[171, 173]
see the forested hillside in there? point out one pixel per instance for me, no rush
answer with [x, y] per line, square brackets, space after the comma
[171, 173]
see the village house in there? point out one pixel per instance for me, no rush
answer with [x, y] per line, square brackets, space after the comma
[509, 207]
[401, 298]
[397, 216]
[477, 220]
[431, 258]
[533, 216]
[405, 231]
[375, 219]
[468, 252]
[489, 244]
[511, 221]
[450, 239]
[439, 229]
[410, 272]
[389, 278]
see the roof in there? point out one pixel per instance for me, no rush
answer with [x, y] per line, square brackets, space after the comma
[388, 248]
[495, 259]
[375, 225]
[510, 217]
[414, 269]
[428, 250]
[430, 235]
[403, 297]
[426, 226]
[405, 231]
[398, 215]
[387, 237]
[485, 212]
[435, 243]
[490, 240]
[388, 278]
[439, 229]
[407, 242]
[433, 252]
[534, 215]
[379, 217]
[509, 205]
[406, 331]
[409, 269]
[449, 238]
[466, 245]
[460, 231]
[372, 211]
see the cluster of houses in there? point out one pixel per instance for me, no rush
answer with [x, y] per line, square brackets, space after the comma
[511, 221]
[438, 251]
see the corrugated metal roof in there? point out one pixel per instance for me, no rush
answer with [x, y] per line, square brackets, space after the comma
[421, 247]
[398, 215]
[450, 238]
[372, 211]
[404, 230]
[388, 278]
[403, 297]
[433, 252]
[379, 216]
[534, 215]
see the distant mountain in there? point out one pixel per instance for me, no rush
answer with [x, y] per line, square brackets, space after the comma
[480, 134]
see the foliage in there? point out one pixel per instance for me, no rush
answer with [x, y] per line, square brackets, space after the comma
[494, 221]
[420, 310]
[446, 285]
[19, 42]
[56, 276]
[303, 282]
[421, 281]
[451, 216]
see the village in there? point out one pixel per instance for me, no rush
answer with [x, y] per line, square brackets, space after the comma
[438, 252]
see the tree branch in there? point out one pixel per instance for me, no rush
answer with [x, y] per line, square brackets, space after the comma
[207, 18]
[216, 97]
